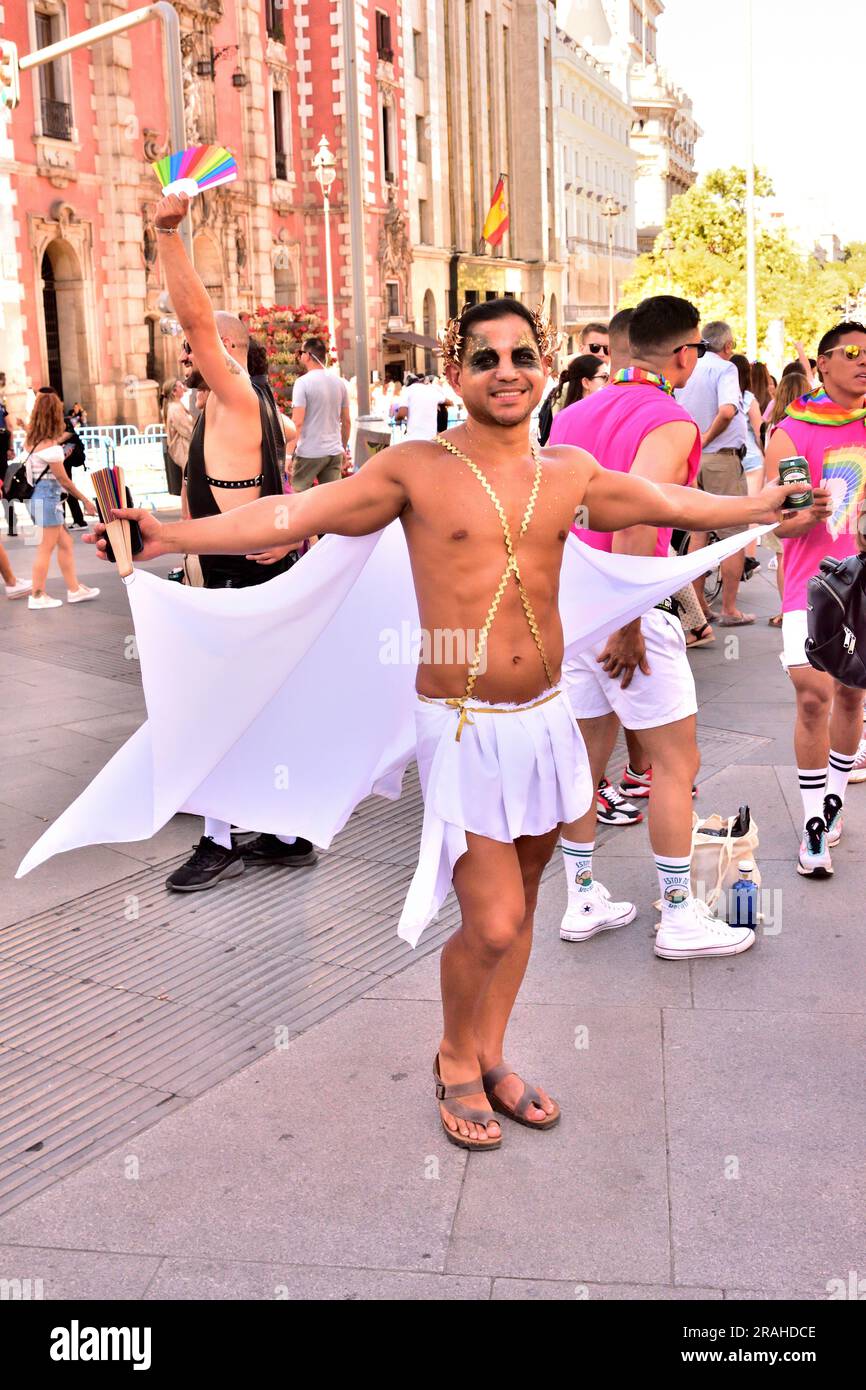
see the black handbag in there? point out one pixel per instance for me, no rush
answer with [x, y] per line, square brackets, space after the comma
[836, 620]
[17, 489]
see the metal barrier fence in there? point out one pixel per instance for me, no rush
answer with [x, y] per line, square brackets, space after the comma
[137, 452]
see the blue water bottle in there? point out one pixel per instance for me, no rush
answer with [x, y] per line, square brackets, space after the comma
[743, 897]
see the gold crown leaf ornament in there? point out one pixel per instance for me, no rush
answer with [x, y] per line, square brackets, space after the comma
[451, 338]
[548, 338]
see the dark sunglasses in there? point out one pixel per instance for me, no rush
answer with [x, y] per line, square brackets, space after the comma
[700, 348]
[599, 347]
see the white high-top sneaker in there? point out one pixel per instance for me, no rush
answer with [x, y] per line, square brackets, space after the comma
[693, 931]
[591, 912]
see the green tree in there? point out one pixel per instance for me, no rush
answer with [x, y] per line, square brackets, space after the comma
[700, 253]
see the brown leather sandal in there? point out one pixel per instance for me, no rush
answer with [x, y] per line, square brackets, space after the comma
[463, 1112]
[530, 1096]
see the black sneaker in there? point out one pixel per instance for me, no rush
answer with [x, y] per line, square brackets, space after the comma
[267, 849]
[207, 865]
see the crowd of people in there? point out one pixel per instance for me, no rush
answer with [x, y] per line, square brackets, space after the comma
[686, 434]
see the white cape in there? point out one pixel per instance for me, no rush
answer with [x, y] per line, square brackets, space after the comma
[281, 707]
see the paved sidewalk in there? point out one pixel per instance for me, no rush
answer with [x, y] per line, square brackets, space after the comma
[711, 1144]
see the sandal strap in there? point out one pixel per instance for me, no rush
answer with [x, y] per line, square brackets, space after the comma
[463, 1088]
[530, 1097]
[469, 1112]
[496, 1074]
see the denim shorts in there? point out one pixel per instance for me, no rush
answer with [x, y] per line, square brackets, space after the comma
[46, 504]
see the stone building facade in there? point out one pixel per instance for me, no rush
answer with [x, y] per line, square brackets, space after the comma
[623, 35]
[595, 177]
[479, 103]
[80, 291]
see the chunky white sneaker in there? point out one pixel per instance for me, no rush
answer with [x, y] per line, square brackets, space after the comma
[18, 590]
[858, 771]
[591, 912]
[81, 594]
[694, 931]
[44, 601]
[814, 859]
[833, 819]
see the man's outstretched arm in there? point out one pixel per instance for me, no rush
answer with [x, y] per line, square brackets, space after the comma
[616, 500]
[354, 506]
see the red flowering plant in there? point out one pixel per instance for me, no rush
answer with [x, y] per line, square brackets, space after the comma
[282, 330]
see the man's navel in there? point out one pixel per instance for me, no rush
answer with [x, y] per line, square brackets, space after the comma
[459, 535]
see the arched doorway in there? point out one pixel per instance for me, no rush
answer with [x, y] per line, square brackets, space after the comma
[208, 263]
[64, 321]
[429, 332]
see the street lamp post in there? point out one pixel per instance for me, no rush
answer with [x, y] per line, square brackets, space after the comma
[610, 210]
[324, 165]
[751, 276]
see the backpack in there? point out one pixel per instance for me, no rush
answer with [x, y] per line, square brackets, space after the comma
[836, 619]
[17, 488]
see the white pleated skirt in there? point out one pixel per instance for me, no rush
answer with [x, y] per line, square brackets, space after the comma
[521, 772]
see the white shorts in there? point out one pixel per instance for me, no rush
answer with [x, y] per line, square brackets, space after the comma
[663, 697]
[794, 633]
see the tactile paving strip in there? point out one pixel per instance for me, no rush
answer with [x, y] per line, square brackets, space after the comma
[123, 1005]
[101, 657]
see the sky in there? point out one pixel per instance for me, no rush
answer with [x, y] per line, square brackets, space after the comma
[810, 109]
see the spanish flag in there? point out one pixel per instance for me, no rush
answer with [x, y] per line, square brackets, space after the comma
[496, 222]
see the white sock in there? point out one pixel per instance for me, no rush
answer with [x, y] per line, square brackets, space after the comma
[219, 831]
[577, 859]
[675, 881]
[837, 773]
[287, 839]
[813, 783]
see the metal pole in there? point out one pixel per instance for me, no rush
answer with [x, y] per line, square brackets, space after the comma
[332, 325]
[356, 210]
[167, 15]
[751, 270]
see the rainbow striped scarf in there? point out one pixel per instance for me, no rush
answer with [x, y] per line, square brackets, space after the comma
[636, 376]
[818, 409]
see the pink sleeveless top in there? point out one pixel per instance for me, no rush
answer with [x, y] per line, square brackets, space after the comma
[837, 456]
[611, 425]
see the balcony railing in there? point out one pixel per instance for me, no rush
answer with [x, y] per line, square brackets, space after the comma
[56, 119]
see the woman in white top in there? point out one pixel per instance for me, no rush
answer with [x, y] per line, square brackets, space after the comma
[48, 476]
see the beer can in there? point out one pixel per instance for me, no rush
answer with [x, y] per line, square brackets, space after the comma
[796, 470]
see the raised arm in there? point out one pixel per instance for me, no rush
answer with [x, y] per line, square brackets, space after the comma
[353, 506]
[191, 303]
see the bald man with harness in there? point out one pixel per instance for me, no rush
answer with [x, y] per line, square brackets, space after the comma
[236, 455]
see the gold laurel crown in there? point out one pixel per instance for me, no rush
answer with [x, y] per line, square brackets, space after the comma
[451, 338]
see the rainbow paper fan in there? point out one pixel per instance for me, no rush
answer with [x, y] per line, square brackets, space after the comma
[193, 170]
[844, 475]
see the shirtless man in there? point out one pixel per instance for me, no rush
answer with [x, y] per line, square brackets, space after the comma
[491, 514]
[236, 454]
